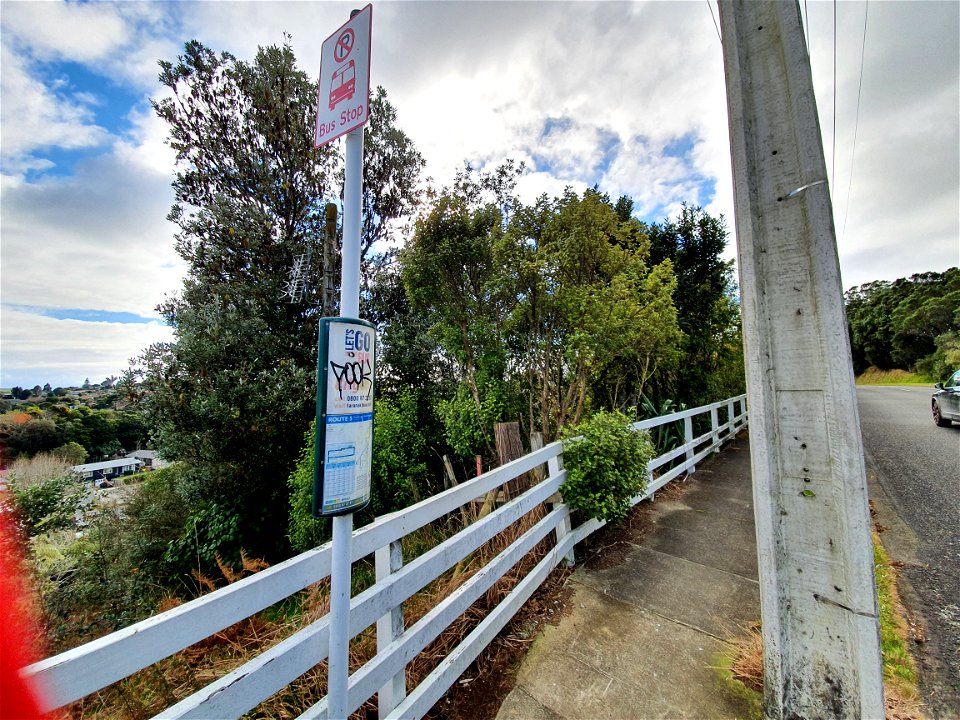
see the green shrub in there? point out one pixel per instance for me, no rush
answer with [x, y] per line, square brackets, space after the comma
[399, 473]
[304, 530]
[211, 531]
[156, 517]
[48, 505]
[664, 437]
[944, 361]
[606, 463]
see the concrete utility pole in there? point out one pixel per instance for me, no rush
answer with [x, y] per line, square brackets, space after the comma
[819, 607]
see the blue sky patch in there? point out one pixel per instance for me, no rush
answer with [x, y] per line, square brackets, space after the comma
[680, 147]
[108, 102]
[83, 315]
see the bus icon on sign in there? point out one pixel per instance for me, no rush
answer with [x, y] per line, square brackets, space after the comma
[343, 85]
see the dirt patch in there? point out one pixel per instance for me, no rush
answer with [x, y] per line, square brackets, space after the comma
[480, 692]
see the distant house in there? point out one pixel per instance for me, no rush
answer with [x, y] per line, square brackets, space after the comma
[149, 459]
[107, 470]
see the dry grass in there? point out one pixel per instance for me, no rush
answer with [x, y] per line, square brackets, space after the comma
[150, 691]
[747, 665]
[26, 472]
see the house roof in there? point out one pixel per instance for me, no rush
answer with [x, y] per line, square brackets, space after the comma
[106, 465]
[143, 454]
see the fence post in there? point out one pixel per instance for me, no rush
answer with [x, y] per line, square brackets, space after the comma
[688, 441]
[389, 559]
[554, 467]
[715, 428]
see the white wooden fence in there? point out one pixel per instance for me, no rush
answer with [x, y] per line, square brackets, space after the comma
[84, 670]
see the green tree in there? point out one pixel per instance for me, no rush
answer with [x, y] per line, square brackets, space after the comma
[101, 433]
[34, 437]
[71, 452]
[593, 321]
[897, 324]
[131, 431]
[391, 171]
[450, 275]
[234, 391]
[708, 313]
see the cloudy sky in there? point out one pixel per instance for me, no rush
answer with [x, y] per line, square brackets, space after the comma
[626, 95]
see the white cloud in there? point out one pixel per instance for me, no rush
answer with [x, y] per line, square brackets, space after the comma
[146, 145]
[97, 240]
[903, 212]
[534, 184]
[84, 32]
[32, 116]
[39, 349]
[120, 40]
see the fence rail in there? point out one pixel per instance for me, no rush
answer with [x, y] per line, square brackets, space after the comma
[91, 667]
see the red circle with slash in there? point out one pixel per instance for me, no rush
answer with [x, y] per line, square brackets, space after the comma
[344, 45]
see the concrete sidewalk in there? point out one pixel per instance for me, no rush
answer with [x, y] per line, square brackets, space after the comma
[643, 637]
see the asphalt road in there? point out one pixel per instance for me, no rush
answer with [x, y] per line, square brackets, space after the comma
[917, 466]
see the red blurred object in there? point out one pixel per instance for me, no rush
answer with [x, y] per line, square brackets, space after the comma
[18, 697]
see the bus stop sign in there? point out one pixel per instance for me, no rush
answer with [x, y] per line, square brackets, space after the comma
[344, 101]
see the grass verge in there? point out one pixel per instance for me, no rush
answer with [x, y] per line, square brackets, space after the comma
[874, 376]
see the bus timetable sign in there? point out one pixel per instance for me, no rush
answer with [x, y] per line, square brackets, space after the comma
[343, 450]
[343, 103]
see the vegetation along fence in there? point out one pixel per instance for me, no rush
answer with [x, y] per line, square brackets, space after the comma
[91, 667]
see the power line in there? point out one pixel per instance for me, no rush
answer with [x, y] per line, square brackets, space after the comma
[833, 162]
[709, 5]
[856, 122]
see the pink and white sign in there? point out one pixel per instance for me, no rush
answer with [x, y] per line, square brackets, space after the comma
[344, 101]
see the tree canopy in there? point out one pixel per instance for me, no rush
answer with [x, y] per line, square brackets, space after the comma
[910, 323]
[233, 393]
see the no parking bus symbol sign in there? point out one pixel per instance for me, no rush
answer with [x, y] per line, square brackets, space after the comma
[344, 79]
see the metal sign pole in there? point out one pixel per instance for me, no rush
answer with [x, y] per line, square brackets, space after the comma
[339, 656]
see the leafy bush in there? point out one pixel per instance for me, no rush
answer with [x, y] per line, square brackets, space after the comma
[606, 463]
[468, 428]
[44, 495]
[156, 516]
[211, 533]
[399, 453]
[304, 530]
[944, 361]
[119, 568]
[664, 437]
[48, 505]
[398, 477]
